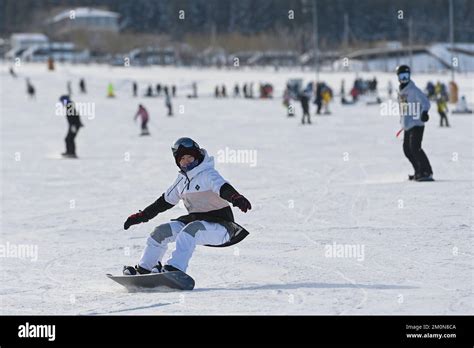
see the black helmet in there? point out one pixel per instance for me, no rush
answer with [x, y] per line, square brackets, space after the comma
[402, 69]
[403, 73]
[186, 146]
[65, 99]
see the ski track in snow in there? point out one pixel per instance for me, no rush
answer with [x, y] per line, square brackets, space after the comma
[305, 197]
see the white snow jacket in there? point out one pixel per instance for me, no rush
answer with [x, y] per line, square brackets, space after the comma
[199, 189]
[412, 102]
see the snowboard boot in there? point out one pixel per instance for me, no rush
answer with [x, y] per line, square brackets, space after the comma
[424, 177]
[131, 270]
[169, 268]
[69, 155]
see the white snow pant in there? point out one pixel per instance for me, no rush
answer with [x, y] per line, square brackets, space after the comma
[186, 237]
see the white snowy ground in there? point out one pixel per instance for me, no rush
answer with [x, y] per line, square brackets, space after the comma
[341, 180]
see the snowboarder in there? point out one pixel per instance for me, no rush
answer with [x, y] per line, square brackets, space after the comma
[82, 86]
[414, 106]
[143, 113]
[74, 123]
[442, 110]
[210, 221]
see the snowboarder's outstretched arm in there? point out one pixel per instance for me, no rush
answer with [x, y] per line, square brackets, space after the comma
[231, 195]
[166, 201]
[159, 206]
[220, 186]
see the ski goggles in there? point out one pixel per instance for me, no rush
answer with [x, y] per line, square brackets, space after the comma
[404, 77]
[183, 142]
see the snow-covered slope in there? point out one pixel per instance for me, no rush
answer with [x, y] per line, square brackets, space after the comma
[338, 183]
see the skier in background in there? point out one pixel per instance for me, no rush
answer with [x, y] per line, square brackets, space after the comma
[143, 113]
[134, 88]
[209, 222]
[168, 102]
[442, 110]
[69, 88]
[149, 91]
[12, 72]
[74, 123]
[173, 91]
[304, 99]
[290, 112]
[30, 89]
[390, 89]
[318, 99]
[110, 90]
[82, 86]
[236, 90]
[326, 98]
[414, 106]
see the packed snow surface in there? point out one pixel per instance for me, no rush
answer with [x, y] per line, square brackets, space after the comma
[336, 227]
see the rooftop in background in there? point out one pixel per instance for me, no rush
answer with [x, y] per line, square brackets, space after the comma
[84, 12]
[29, 37]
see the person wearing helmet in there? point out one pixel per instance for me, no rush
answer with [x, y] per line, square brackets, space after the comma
[414, 106]
[205, 194]
[142, 112]
[74, 123]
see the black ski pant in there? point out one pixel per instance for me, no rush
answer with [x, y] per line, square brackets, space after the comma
[306, 116]
[70, 144]
[444, 118]
[413, 151]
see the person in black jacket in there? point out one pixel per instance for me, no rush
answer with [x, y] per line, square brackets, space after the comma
[74, 123]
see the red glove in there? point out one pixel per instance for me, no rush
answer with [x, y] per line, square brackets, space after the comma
[135, 219]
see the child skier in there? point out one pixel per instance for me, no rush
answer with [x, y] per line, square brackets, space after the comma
[210, 221]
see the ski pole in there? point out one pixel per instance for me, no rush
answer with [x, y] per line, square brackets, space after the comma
[398, 133]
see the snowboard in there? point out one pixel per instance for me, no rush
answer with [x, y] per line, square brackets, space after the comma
[175, 280]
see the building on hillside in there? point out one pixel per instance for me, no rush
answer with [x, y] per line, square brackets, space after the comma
[423, 58]
[20, 42]
[84, 18]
